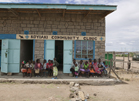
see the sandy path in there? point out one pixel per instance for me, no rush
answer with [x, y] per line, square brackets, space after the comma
[50, 92]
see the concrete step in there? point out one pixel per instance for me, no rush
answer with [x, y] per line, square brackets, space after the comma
[96, 82]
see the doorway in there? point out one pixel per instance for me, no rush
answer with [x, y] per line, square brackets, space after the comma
[26, 50]
[59, 53]
[0, 53]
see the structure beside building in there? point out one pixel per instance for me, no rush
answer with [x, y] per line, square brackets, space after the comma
[45, 31]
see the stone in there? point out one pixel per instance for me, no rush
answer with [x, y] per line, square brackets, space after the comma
[73, 99]
[81, 95]
[71, 84]
[87, 96]
[74, 89]
[9, 74]
[71, 95]
[77, 85]
[78, 99]
[95, 94]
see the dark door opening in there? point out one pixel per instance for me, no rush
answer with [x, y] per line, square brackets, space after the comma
[59, 53]
[26, 50]
[0, 53]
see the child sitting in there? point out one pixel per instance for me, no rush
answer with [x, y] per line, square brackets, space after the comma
[23, 68]
[104, 68]
[55, 70]
[92, 71]
[97, 70]
[29, 67]
[86, 67]
[76, 70]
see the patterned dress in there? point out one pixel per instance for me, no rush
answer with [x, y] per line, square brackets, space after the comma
[95, 65]
[55, 70]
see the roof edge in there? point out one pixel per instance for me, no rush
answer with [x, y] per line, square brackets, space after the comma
[57, 6]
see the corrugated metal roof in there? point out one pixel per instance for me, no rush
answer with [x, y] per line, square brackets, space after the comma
[57, 6]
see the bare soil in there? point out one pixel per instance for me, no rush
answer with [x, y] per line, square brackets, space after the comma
[57, 92]
[134, 64]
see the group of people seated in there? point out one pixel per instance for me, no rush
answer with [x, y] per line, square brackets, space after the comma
[32, 68]
[88, 68]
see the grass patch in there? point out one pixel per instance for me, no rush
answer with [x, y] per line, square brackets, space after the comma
[127, 79]
[51, 86]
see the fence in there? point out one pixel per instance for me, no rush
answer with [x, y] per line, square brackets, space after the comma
[120, 62]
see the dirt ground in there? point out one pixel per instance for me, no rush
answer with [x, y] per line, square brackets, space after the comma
[134, 64]
[56, 92]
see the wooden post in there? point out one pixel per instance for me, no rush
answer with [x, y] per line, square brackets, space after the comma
[115, 73]
[114, 58]
[110, 68]
[128, 57]
[123, 59]
[107, 58]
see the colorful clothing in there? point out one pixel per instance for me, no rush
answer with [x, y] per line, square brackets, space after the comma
[56, 64]
[86, 68]
[92, 71]
[90, 64]
[81, 66]
[23, 70]
[100, 65]
[49, 65]
[38, 66]
[55, 71]
[95, 65]
[76, 69]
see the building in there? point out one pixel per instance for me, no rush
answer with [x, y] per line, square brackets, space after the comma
[44, 31]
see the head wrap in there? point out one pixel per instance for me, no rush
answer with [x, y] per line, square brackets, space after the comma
[23, 62]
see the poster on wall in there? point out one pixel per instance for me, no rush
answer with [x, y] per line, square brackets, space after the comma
[59, 37]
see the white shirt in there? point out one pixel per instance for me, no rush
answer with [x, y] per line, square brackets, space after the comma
[72, 65]
[44, 66]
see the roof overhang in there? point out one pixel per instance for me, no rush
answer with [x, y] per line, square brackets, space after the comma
[16, 8]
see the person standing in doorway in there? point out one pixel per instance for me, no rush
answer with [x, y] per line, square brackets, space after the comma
[55, 70]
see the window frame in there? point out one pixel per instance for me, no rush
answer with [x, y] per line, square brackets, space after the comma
[81, 50]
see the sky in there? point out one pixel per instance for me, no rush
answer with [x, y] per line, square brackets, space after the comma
[122, 26]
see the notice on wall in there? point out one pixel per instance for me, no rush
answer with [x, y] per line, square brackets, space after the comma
[59, 37]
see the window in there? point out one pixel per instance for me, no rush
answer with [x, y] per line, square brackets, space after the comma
[84, 50]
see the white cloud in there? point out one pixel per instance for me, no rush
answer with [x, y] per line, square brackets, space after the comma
[122, 43]
[123, 25]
